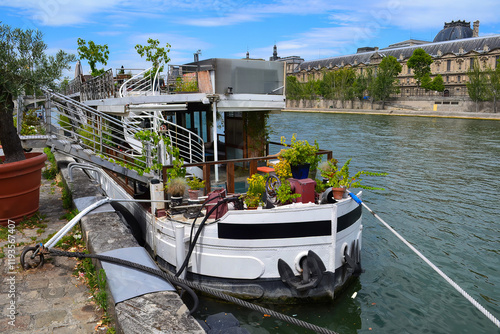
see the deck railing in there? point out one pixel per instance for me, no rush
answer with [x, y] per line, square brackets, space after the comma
[253, 164]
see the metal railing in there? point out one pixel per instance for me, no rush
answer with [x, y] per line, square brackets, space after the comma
[101, 134]
[191, 146]
[101, 87]
[142, 84]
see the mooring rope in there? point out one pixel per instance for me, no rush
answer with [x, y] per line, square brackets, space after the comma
[176, 280]
[432, 265]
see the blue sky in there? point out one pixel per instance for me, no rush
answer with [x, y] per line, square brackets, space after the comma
[311, 29]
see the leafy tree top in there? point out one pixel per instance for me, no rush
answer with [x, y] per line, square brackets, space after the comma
[23, 66]
[420, 62]
[385, 82]
[94, 53]
[154, 53]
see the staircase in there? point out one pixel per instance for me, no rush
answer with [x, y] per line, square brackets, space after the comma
[109, 142]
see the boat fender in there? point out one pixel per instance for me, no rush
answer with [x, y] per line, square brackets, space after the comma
[327, 197]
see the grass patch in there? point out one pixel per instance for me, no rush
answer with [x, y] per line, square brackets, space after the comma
[51, 170]
[69, 215]
[96, 281]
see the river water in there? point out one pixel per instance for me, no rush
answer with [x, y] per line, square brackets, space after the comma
[441, 195]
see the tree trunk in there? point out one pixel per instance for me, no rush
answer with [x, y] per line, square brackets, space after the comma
[11, 144]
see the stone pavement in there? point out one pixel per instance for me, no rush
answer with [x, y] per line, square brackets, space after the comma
[48, 299]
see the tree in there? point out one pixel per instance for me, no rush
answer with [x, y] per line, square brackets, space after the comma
[154, 53]
[476, 87]
[493, 88]
[437, 84]
[293, 88]
[94, 53]
[386, 82]
[23, 64]
[420, 62]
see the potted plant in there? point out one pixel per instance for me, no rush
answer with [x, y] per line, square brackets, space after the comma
[22, 49]
[195, 187]
[300, 155]
[176, 188]
[256, 188]
[340, 179]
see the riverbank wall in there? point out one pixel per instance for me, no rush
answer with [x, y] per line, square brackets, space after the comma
[104, 231]
[439, 105]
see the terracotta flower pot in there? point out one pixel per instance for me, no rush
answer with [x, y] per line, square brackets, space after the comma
[20, 187]
[195, 193]
[338, 193]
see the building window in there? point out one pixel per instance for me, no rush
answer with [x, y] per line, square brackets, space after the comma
[409, 70]
[496, 61]
[471, 63]
[437, 67]
[447, 78]
[459, 66]
[458, 79]
[407, 80]
[448, 65]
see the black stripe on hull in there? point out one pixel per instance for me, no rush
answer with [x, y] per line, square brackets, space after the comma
[286, 230]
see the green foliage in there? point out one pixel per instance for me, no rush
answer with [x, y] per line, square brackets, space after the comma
[148, 137]
[94, 53]
[477, 84]
[338, 178]
[284, 193]
[195, 183]
[256, 188]
[293, 88]
[338, 85]
[299, 152]
[154, 53]
[24, 64]
[420, 62]
[51, 170]
[320, 186]
[493, 87]
[185, 85]
[386, 82]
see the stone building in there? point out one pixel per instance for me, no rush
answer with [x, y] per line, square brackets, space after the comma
[453, 50]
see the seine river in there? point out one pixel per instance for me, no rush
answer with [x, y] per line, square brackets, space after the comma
[442, 195]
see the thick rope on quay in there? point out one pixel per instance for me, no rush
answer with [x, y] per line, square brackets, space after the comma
[176, 280]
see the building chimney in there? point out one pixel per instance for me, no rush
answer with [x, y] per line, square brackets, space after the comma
[475, 30]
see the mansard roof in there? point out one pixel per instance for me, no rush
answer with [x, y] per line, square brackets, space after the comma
[436, 50]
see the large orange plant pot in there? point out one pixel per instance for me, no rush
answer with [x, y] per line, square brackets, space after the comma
[20, 187]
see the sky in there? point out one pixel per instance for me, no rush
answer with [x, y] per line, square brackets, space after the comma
[311, 29]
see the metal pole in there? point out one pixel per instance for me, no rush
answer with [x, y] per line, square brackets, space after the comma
[216, 152]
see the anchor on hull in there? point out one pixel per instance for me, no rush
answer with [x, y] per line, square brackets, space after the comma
[312, 273]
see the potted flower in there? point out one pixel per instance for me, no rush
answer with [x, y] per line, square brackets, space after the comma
[21, 173]
[256, 189]
[176, 188]
[300, 155]
[340, 179]
[195, 187]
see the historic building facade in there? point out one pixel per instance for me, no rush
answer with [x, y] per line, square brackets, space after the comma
[453, 50]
